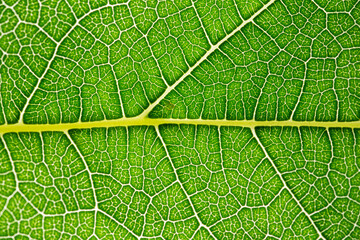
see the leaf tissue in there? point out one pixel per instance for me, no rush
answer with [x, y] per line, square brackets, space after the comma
[179, 119]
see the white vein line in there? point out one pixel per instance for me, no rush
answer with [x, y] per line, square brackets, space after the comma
[21, 118]
[283, 181]
[211, 50]
[85, 164]
[17, 184]
[20, 21]
[96, 209]
[181, 186]
[17, 189]
[201, 23]
[115, 220]
[2, 107]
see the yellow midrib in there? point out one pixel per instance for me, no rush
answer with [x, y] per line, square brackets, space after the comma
[124, 122]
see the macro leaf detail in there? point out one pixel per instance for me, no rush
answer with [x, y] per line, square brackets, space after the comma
[194, 119]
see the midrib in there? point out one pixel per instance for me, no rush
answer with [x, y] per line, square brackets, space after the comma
[124, 122]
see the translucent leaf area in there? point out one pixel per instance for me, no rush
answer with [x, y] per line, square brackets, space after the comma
[179, 119]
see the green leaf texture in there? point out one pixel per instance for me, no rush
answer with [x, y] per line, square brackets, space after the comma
[179, 119]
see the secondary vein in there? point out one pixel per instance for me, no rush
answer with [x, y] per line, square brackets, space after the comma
[211, 50]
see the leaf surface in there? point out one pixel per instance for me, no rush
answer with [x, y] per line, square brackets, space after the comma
[220, 119]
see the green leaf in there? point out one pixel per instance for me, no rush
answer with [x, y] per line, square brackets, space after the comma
[194, 119]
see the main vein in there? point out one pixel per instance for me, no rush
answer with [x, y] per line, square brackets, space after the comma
[124, 122]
